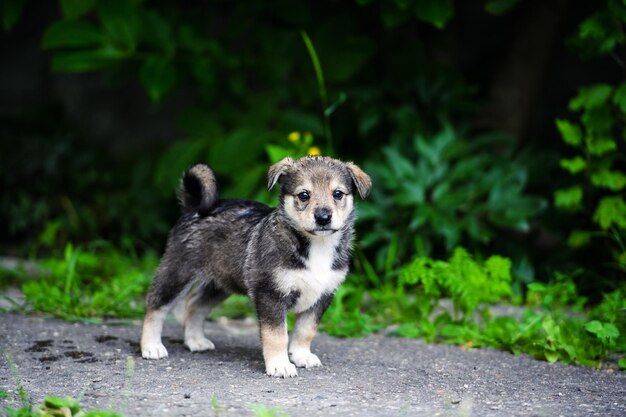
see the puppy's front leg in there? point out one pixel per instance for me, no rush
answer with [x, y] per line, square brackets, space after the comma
[303, 333]
[301, 338]
[274, 339]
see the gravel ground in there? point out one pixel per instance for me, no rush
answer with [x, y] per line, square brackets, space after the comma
[373, 376]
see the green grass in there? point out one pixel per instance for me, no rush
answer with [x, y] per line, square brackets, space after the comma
[91, 282]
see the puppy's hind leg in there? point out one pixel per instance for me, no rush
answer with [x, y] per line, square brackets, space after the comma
[197, 308]
[151, 345]
[165, 291]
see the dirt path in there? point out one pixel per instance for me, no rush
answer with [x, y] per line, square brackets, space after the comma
[375, 376]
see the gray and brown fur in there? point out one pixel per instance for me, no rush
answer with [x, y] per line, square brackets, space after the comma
[289, 258]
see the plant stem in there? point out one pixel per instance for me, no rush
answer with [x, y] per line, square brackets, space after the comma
[321, 85]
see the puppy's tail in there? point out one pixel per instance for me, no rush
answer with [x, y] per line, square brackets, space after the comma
[198, 191]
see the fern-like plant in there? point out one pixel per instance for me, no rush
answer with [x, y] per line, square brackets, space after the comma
[466, 281]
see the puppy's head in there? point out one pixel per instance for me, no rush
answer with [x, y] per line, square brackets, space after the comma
[317, 193]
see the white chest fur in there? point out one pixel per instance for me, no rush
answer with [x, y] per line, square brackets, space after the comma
[318, 276]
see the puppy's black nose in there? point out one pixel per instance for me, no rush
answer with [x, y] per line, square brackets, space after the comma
[322, 216]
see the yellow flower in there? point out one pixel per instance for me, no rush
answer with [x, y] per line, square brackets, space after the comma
[294, 137]
[314, 150]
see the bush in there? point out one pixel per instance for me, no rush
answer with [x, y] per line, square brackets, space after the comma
[445, 191]
[597, 228]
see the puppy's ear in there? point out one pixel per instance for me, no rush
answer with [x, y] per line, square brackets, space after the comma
[278, 169]
[362, 181]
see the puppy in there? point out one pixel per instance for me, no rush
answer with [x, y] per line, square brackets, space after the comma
[290, 258]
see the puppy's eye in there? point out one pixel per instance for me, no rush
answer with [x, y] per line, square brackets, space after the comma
[337, 195]
[304, 196]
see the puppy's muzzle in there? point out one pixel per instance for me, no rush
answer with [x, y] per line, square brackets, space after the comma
[322, 216]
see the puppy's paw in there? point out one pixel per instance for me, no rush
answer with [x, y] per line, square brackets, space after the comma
[280, 368]
[199, 344]
[153, 351]
[305, 359]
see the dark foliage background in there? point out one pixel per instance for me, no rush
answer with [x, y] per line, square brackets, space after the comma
[450, 106]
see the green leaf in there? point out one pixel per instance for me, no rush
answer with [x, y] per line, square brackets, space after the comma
[192, 41]
[203, 72]
[454, 331]
[551, 356]
[80, 61]
[593, 326]
[499, 7]
[11, 10]
[225, 155]
[573, 165]
[537, 287]
[570, 132]
[76, 8]
[408, 330]
[71, 33]
[342, 58]
[173, 162]
[622, 363]
[613, 180]
[120, 21]
[498, 268]
[435, 12]
[609, 331]
[602, 330]
[157, 31]
[598, 121]
[158, 76]
[59, 402]
[590, 97]
[569, 198]
[601, 32]
[392, 16]
[401, 166]
[611, 211]
[276, 153]
[578, 238]
[600, 146]
[551, 328]
[619, 97]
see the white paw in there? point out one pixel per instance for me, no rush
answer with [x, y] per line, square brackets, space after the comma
[153, 351]
[199, 344]
[305, 359]
[281, 368]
